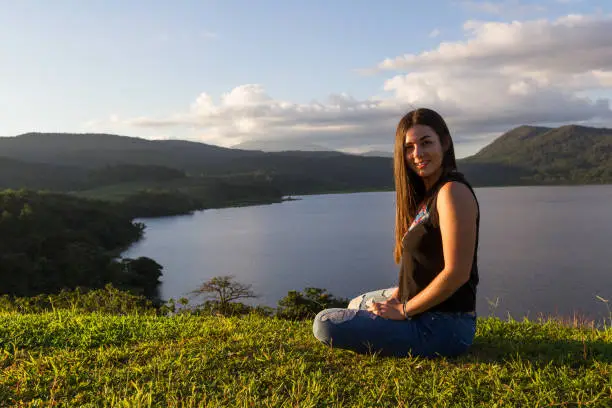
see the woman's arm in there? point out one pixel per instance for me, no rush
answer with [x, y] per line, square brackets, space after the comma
[457, 212]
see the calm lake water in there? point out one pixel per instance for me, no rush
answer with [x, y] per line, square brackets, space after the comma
[542, 249]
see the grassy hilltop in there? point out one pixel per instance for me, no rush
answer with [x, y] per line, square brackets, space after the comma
[71, 358]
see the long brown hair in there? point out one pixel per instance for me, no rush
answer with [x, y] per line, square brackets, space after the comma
[409, 187]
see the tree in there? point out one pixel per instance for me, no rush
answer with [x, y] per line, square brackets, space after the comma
[52, 242]
[142, 276]
[223, 290]
[297, 305]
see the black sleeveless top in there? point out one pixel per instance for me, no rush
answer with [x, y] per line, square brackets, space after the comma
[423, 259]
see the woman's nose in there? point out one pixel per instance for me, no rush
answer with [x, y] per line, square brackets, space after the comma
[417, 151]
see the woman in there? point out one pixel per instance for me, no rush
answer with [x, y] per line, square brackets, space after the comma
[432, 311]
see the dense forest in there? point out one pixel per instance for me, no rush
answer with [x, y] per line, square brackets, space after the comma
[50, 242]
[539, 155]
[89, 162]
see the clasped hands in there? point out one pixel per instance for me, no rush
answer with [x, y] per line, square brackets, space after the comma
[389, 309]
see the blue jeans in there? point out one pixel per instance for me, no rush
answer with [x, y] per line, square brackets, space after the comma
[429, 334]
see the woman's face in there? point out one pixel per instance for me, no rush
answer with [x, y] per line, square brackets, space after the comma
[423, 151]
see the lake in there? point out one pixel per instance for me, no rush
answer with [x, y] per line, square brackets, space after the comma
[542, 249]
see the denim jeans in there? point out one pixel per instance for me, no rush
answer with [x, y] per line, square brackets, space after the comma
[429, 334]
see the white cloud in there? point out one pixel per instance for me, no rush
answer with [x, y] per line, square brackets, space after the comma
[506, 74]
[246, 95]
[500, 76]
[247, 112]
[570, 44]
[434, 33]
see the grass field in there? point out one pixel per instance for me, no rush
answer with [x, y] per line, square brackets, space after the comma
[76, 359]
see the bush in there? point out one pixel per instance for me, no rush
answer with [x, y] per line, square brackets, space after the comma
[306, 305]
[107, 300]
[221, 291]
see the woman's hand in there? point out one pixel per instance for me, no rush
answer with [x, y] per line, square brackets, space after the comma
[391, 309]
[394, 296]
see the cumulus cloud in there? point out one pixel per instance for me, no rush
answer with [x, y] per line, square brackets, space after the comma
[248, 113]
[500, 76]
[505, 74]
[434, 33]
[571, 44]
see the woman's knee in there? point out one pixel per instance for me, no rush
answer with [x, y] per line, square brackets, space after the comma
[320, 327]
[326, 322]
[355, 303]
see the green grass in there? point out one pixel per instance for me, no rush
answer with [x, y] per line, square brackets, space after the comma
[71, 359]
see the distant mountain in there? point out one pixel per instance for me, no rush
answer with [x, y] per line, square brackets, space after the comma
[95, 150]
[294, 172]
[279, 146]
[524, 155]
[539, 155]
[377, 153]
[510, 142]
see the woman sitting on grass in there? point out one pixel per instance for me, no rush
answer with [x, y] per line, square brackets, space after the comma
[432, 311]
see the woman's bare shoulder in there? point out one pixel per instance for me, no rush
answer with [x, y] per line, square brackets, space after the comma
[457, 195]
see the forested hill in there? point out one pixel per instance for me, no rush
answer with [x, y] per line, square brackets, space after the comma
[88, 156]
[53, 241]
[18, 173]
[539, 155]
[524, 155]
[91, 150]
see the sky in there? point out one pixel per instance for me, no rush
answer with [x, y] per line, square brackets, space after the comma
[336, 74]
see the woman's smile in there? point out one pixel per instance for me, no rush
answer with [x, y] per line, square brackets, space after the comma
[421, 165]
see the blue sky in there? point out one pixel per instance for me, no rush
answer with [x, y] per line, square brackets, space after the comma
[301, 73]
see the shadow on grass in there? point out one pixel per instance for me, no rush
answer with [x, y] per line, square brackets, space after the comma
[6, 394]
[540, 352]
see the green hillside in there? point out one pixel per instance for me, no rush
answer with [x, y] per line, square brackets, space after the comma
[94, 163]
[96, 160]
[95, 150]
[538, 155]
[16, 173]
[511, 142]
